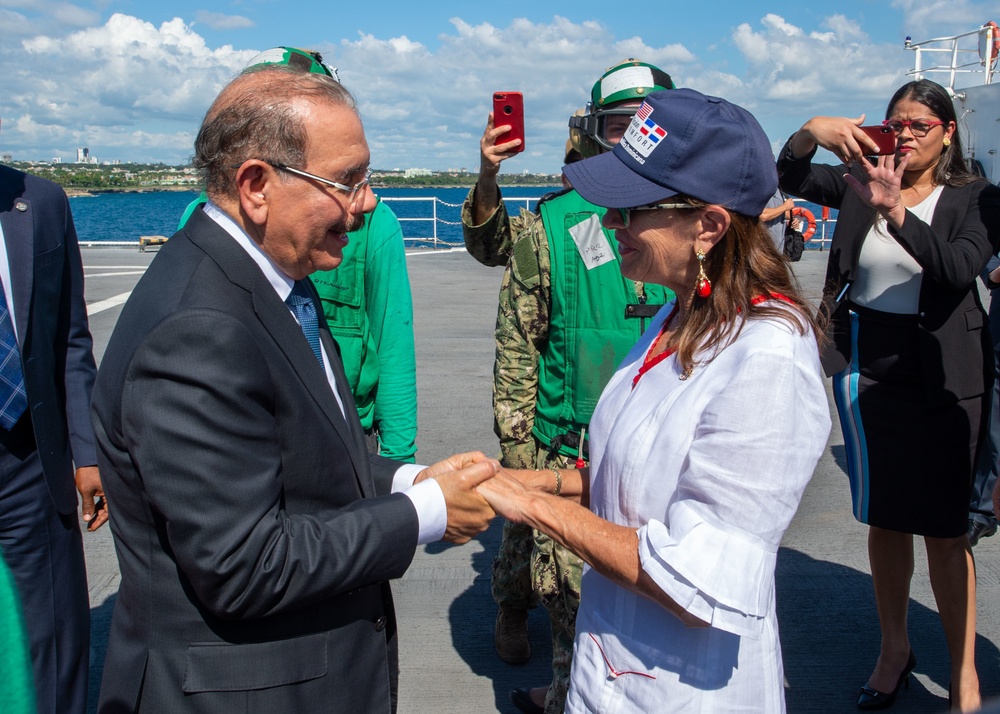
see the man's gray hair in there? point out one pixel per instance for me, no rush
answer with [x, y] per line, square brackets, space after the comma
[258, 116]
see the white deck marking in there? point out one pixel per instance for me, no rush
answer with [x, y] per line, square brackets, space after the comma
[111, 302]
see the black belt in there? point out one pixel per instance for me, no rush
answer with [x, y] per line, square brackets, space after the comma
[572, 440]
[19, 440]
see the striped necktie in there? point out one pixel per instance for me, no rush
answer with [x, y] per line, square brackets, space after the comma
[305, 311]
[13, 398]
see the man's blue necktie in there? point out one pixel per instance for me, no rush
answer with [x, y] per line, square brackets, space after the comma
[305, 311]
[13, 398]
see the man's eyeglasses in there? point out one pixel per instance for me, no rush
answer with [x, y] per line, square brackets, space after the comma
[918, 127]
[626, 213]
[351, 191]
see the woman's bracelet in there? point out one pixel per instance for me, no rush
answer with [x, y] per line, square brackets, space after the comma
[558, 482]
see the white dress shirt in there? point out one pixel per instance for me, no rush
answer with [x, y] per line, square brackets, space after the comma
[427, 496]
[8, 290]
[709, 470]
[888, 278]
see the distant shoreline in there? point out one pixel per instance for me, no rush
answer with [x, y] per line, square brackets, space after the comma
[78, 192]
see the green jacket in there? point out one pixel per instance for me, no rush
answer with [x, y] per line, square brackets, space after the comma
[588, 333]
[528, 310]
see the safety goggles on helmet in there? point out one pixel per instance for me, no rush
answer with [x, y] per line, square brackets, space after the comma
[605, 127]
[614, 98]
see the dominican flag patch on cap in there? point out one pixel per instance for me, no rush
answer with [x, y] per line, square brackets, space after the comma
[643, 134]
[652, 131]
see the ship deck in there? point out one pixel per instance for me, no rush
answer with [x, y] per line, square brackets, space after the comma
[826, 606]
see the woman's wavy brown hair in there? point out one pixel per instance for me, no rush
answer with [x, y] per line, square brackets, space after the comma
[743, 265]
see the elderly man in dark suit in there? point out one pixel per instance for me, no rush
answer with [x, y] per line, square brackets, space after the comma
[254, 532]
[46, 374]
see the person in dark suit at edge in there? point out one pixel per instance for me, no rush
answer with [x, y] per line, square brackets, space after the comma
[255, 534]
[46, 441]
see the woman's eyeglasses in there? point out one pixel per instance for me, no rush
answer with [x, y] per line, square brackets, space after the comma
[626, 213]
[918, 127]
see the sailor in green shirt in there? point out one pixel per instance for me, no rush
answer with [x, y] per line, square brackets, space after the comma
[369, 309]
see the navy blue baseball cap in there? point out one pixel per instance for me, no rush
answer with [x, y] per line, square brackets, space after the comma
[683, 142]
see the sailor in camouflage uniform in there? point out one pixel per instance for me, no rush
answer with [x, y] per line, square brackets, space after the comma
[562, 328]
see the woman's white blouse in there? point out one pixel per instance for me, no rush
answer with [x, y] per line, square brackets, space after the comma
[709, 470]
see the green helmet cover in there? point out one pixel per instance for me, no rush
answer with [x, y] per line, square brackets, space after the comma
[304, 60]
[629, 79]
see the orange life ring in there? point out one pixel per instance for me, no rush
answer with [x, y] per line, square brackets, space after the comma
[996, 42]
[810, 219]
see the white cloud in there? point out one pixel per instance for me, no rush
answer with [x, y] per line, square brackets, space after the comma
[429, 109]
[13, 23]
[74, 15]
[924, 19]
[793, 73]
[218, 21]
[844, 28]
[127, 89]
[130, 89]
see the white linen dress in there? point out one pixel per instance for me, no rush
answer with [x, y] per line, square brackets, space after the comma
[709, 470]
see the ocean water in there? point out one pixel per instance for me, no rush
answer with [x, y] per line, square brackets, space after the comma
[127, 216]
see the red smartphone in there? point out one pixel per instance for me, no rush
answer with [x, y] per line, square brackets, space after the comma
[883, 136]
[508, 110]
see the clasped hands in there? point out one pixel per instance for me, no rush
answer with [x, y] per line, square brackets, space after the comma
[476, 489]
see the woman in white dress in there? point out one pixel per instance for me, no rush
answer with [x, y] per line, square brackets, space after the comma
[704, 439]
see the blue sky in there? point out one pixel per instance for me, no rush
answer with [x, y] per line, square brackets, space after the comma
[131, 79]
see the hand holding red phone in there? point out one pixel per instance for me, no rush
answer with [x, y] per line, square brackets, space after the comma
[884, 138]
[500, 127]
[494, 148]
[508, 111]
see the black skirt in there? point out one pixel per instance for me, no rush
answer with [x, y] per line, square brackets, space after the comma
[910, 465]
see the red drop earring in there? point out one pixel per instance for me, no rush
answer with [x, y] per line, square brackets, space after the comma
[702, 286]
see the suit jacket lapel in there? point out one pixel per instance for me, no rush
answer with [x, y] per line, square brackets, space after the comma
[18, 234]
[277, 319]
[360, 449]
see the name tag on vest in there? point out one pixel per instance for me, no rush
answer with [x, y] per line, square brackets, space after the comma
[591, 243]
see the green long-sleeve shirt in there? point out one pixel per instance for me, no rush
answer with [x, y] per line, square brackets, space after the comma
[369, 309]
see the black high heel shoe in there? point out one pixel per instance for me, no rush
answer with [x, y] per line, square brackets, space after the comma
[874, 699]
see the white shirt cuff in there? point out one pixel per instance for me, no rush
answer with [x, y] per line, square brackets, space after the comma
[428, 500]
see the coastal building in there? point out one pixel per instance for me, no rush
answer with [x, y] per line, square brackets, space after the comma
[83, 156]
